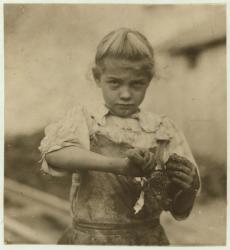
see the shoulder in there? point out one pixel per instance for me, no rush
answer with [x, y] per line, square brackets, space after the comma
[76, 110]
[73, 116]
[77, 113]
[160, 124]
[152, 121]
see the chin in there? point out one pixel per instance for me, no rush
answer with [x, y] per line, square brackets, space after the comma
[124, 113]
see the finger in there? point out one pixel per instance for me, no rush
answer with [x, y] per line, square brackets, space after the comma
[179, 167]
[142, 152]
[174, 157]
[171, 165]
[180, 159]
[147, 161]
[182, 176]
[151, 160]
[176, 165]
[147, 155]
[181, 183]
[132, 153]
[149, 165]
[135, 157]
[153, 150]
[191, 166]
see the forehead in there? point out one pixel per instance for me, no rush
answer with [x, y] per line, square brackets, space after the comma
[121, 67]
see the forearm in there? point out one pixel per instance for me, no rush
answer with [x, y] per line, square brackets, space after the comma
[74, 158]
[184, 199]
[183, 203]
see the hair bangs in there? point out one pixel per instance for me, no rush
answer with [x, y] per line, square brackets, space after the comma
[124, 43]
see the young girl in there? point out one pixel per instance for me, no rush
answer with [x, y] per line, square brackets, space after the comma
[127, 165]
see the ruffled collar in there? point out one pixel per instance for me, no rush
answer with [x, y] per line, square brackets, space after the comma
[149, 122]
[103, 111]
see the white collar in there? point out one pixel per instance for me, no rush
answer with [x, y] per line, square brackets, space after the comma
[148, 121]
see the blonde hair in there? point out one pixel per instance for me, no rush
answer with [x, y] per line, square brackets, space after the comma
[127, 44]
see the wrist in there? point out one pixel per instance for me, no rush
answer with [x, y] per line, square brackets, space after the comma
[183, 202]
[124, 166]
[119, 165]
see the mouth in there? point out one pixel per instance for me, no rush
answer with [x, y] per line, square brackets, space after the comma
[125, 106]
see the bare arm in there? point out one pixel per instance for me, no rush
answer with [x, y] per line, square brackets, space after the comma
[74, 158]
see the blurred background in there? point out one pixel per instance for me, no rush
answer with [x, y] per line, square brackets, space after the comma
[49, 52]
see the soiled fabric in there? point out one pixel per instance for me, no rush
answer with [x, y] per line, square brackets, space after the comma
[145, 235]
[102, 204]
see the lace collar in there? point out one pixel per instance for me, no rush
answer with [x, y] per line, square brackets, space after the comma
[149, 122]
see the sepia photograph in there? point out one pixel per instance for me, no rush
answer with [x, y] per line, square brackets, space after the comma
[115, 122]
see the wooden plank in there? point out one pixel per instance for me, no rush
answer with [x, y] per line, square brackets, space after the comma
[26, 232]
[35, 207]
[42, 197]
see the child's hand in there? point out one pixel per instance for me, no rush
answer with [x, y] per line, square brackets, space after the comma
[181, 171]
[141, 159]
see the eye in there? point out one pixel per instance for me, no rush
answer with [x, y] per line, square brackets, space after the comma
[113, 83]
[138, 84]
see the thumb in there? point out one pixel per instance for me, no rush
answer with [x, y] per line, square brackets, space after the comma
[135, 157]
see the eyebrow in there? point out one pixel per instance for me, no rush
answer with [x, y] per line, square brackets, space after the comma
[139, 79]
[113, 78]
[133, 80]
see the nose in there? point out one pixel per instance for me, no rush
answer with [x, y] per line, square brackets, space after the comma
[125, 93]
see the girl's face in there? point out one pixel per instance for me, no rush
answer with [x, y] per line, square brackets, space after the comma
[123, 84]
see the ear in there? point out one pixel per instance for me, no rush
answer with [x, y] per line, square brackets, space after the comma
[96, 75]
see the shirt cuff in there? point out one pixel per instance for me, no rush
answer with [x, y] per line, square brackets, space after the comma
[50, 170]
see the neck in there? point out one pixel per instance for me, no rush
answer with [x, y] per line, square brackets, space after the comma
[114, 114]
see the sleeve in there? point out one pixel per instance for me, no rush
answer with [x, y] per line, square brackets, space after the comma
[178, 144]
[71, 130]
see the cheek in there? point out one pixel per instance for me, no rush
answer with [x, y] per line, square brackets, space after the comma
[139, 96]
[109, 95]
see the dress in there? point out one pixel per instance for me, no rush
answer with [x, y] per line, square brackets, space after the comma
[102, 204]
